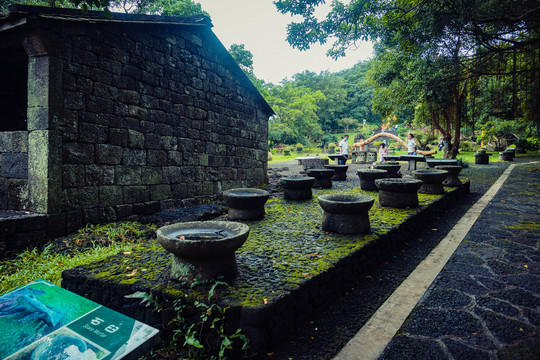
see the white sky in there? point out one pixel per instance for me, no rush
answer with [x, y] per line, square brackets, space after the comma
[258, 25]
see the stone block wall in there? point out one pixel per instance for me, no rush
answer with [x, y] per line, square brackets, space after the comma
[148, 117]
[14, 170]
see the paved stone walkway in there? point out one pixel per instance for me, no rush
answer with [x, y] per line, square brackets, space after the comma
[485, 303]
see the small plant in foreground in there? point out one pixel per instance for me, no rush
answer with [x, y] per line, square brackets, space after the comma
[200, 330]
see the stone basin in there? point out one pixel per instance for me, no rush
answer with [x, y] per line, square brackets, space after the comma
[434, 162]
[391, 167]
[398, 193]
[340, 171]
[245, 203]
[345, 203]
[398, 185]
[297, 182]
[431, 180]
[452, 178]
[323, 177]
[297, 187]
[346, 213]
[203, 249]
[368, 176]
[430, 176]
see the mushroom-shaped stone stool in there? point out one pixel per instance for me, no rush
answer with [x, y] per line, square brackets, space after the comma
[323, 177]
[368, 176]
[245, 203]
[203, 249]
[431, 180]
[398, 193]
[346, 213]
[340, 171]
[481, 157]
[391, 167]
[452, 178]
[297, 187]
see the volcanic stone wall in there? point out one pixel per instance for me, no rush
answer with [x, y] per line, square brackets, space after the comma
[149, 117]
[13, 170]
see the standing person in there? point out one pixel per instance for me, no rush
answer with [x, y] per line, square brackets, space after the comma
[411, 144]
[344, 148]
[382, 151]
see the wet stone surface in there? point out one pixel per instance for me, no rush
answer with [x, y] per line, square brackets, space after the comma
[485, 302]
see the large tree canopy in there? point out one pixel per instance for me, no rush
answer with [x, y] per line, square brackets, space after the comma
[433, 53]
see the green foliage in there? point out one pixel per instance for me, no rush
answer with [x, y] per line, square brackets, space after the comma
[446, 56]
[161, 7]
[200, 330]
[528, 143]
[296, 108]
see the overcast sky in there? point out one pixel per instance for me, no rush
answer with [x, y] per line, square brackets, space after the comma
[263, 31]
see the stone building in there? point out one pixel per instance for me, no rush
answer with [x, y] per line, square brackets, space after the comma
[104, 117]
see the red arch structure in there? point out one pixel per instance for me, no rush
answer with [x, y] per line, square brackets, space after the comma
[363, 143]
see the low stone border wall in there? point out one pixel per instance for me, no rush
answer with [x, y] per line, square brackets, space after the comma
[267, 324]
[19, 231]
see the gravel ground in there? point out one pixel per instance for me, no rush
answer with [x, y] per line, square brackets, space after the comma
[323, 337]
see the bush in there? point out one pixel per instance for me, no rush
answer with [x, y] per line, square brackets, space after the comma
[468, 146]
[530, 143]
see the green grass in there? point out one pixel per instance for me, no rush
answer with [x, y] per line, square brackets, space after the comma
[48, 264]
[90, 244]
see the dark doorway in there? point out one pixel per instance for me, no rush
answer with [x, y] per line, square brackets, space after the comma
[13, 88]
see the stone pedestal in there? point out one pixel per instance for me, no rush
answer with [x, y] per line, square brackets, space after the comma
[297, 188]
[431, 181]
[434, 162]
[392, 169]
[340, 171]
[506, 156]
[368, 176]
[245, 203]
[323, 177]
[481, 157]
[203, 250]
[452, 178]
[346, 213]
[398, 193]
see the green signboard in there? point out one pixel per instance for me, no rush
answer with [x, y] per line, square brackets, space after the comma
[42, 321]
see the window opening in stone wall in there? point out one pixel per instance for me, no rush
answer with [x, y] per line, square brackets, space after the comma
[13, 88]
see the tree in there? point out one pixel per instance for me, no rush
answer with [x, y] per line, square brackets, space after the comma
[296, 108]
[161, 7]
[445, 44]
[244, 59]
[348, 122]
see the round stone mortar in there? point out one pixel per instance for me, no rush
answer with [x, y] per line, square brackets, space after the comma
[323, 177]
[346, 213]
[368, 176]
[431, 180]
[452, 178]
[297, 187]
[203, 249]
[398, 193]
[245, 203]
[391, 167]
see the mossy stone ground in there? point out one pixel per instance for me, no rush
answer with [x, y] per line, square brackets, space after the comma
[283, 250]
